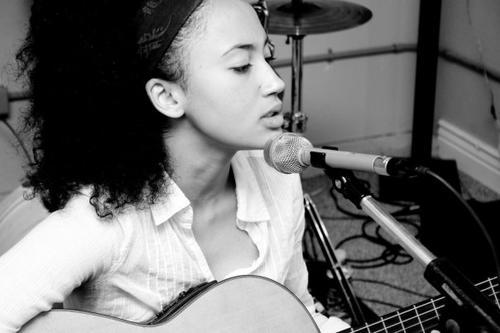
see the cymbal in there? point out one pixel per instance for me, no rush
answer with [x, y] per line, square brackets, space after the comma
[295, 17]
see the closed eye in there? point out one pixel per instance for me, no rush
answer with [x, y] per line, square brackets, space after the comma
[242, 69]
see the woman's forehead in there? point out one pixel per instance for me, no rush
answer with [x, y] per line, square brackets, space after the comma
[233, 22]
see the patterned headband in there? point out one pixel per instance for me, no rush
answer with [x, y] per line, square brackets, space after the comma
[158, 23]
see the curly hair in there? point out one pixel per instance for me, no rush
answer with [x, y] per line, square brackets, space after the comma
[92, 122]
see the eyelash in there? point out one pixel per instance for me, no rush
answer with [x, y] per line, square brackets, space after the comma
[243, 69]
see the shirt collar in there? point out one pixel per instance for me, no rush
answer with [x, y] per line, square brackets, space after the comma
[174, 202]
[250, 202]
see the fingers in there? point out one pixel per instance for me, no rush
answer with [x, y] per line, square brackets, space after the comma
[452, 326]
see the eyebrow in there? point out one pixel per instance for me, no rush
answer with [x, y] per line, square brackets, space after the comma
[244, 46]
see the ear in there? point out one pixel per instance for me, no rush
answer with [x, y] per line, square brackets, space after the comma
[167, 97]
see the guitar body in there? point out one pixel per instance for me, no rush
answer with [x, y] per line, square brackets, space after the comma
[244, 304]
[247, 304]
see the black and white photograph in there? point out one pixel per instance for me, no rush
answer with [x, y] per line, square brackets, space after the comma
[250, 166]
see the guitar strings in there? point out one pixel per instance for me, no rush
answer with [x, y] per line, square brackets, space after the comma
[435, 308]
[404, 328]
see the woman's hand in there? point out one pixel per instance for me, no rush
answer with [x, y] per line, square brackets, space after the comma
[450, 326]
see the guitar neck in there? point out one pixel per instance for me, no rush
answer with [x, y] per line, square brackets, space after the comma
[423, 316]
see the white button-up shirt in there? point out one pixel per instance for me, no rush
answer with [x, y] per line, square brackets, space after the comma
[133, 266]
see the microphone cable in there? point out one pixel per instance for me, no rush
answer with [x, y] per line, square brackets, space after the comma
[427, 172]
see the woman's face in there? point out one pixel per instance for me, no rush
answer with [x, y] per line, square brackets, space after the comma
[232, 91]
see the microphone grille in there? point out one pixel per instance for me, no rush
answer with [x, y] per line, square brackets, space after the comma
[283, 152]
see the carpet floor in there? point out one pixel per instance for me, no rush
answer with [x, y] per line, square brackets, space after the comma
[382, 276]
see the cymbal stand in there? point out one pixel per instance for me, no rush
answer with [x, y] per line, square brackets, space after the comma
[296, 120]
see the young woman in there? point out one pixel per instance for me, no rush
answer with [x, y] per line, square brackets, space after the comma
[145, 120]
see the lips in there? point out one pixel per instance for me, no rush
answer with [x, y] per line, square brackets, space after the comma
[276, 110]
[273, 120]
[271, 114]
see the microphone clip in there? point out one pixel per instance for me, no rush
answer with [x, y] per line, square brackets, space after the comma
[318, 159]
[346, 183]
[343, 180]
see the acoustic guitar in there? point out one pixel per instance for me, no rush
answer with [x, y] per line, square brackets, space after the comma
[245, 304]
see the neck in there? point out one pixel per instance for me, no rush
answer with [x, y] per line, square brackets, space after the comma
[201, 168]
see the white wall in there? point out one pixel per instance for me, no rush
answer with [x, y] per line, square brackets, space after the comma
[346, 101]
[463, 96]
[362, 97]
[13, 21]
[469, 133]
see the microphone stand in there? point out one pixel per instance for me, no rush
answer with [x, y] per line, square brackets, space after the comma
[439, 272]
[321, 233]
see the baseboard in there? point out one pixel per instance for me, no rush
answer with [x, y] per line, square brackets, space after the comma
[474, 157]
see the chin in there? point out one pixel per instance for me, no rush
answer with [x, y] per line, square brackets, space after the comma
[257, 140]
[272, 133]
[268, 136]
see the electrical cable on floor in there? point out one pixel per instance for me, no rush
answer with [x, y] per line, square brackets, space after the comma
[409, 291]
[387, 257]
[371, 300]
[391, 254]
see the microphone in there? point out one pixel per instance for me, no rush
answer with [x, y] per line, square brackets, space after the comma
[292, 153]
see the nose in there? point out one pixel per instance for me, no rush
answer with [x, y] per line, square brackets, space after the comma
[272, 83]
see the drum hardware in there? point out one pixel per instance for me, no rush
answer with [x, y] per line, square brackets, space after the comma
[331, 56]
[296, 120]
[300, 18]
[296, 19]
